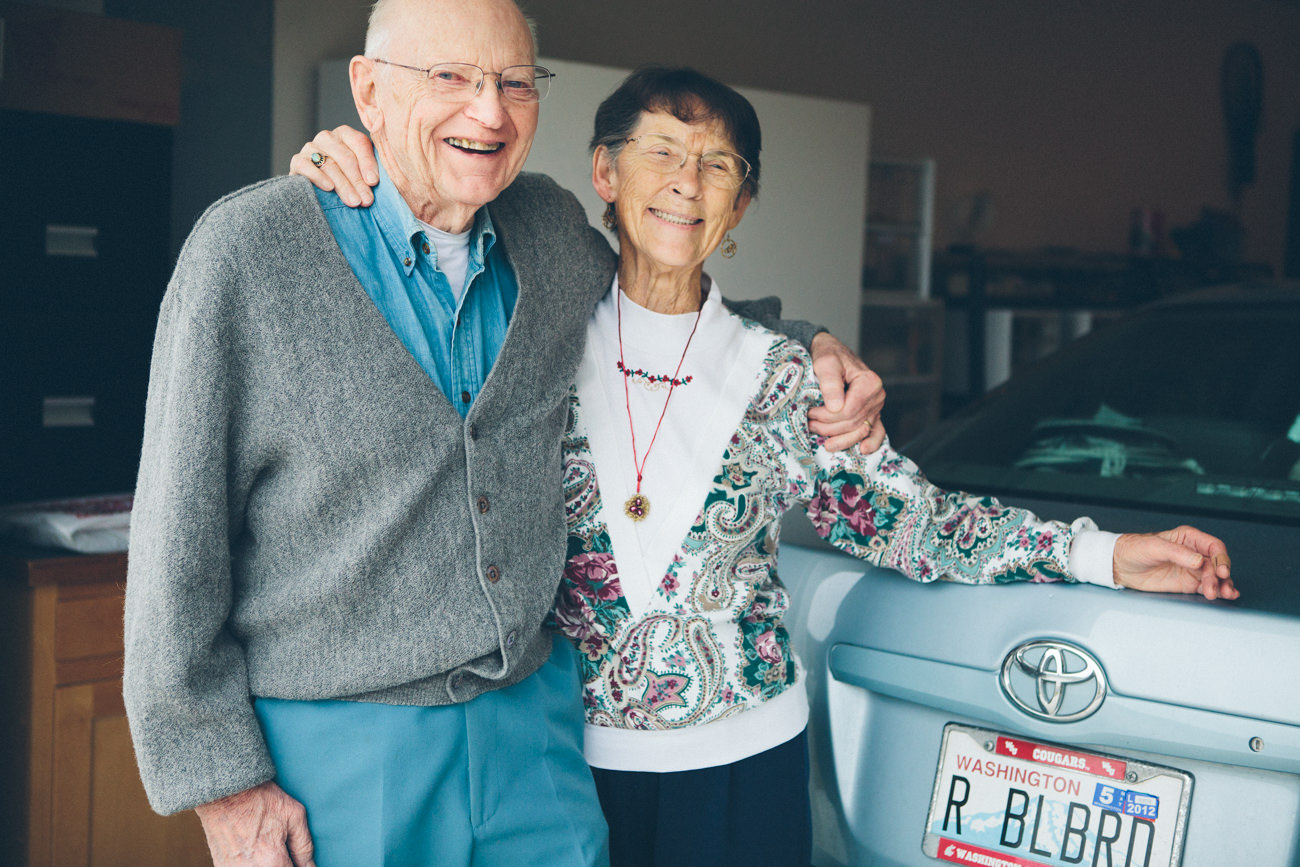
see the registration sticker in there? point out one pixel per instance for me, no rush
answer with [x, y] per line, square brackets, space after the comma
[1006, 801]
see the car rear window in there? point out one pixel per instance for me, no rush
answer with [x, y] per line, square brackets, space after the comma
[1191, 407]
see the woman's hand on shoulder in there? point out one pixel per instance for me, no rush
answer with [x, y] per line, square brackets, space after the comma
[341, 160]
[1181, 560]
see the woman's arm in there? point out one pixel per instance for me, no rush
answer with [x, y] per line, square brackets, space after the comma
[881, 508]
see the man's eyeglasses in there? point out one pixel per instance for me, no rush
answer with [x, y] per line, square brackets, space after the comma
[665, 154]
[461, 82]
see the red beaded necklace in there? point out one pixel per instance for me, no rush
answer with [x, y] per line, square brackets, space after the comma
[637, 506]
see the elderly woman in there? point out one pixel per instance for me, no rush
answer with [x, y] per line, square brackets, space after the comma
[686, 443]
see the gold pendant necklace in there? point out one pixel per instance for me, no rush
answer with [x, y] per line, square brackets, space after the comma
[637, 506]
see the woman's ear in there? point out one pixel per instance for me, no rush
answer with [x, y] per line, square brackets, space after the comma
[742, 202]
[604, 173]
[361, 73]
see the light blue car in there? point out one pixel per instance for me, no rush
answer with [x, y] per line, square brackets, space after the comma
[1049, 724]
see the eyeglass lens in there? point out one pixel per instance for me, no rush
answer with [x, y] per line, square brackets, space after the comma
[666, 154]
[463, 80]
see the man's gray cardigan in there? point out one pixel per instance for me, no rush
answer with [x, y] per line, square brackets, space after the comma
[313, 519]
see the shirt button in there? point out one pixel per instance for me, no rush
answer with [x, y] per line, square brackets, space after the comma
[483, 505]
[493, 574]
[465, 397]
[426, 249]
[407, 261]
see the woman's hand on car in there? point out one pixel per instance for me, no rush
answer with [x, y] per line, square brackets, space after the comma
[1181, 560]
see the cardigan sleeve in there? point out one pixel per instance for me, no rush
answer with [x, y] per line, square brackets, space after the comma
[185, 679]
[881, 508]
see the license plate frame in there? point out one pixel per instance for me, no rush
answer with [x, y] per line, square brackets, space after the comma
[1119, 800]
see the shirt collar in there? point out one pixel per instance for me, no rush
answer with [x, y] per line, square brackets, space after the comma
[403, 232]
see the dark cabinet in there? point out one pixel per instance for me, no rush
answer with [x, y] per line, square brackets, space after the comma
[85, 261]
[86, 137]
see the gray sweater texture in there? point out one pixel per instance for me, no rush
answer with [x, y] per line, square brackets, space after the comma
[313, 520]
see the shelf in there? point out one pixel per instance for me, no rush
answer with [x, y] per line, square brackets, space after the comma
[897, 232]
[900, 333]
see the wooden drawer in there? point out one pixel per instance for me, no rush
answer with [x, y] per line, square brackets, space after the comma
[88, 633]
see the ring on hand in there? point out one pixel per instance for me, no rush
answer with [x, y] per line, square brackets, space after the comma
[318, 159]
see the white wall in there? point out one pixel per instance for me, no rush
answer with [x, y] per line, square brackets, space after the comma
[801, 240]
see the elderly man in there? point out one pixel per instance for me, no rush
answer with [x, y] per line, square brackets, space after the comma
[346, 533]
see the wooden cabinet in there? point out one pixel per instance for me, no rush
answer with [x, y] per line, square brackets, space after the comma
[71, 792]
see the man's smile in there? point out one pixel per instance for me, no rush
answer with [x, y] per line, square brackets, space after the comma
[473, 146]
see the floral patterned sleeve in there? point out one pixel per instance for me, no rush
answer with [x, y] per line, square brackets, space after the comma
[881, 508]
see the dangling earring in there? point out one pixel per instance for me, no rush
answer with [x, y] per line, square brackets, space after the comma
[609, 219]
[728, 246]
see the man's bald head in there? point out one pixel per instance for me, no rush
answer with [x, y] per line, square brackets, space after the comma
[384, 19]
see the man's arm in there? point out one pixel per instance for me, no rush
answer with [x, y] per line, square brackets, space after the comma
[343, 160]
[184, 681]
[853, 393]
[185, 676]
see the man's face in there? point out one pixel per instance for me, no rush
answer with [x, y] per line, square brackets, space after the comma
[449, 159]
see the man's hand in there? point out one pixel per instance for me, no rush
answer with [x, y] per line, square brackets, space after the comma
[846, 418]
[261, 826]
[1182, 560]
[341, 160]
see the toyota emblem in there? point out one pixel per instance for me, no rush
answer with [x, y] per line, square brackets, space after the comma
[1054, 681]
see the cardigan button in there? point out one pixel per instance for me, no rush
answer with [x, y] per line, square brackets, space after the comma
[493, 574]
[510, 639]
[483, 505]
[473, 431]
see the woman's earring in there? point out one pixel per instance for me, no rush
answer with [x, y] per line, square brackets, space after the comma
[609, 219]
[728, 246]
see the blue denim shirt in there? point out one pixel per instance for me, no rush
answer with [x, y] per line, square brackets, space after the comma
[456, 344]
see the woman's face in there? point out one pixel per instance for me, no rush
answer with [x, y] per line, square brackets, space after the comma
[674, 220]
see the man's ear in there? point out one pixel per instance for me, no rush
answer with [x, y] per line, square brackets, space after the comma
[365, 93]
[604, 173]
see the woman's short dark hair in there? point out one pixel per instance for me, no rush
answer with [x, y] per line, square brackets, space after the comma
[688, 95]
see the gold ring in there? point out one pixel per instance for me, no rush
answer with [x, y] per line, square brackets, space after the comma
[318, 159]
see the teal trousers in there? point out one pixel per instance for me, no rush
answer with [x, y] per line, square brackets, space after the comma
[499, 780]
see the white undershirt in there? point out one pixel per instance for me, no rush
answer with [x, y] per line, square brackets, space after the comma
[453, 256]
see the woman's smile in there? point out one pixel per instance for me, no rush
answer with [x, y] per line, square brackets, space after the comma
[675, 219]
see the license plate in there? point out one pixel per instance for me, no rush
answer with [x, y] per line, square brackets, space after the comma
[1006, 801]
